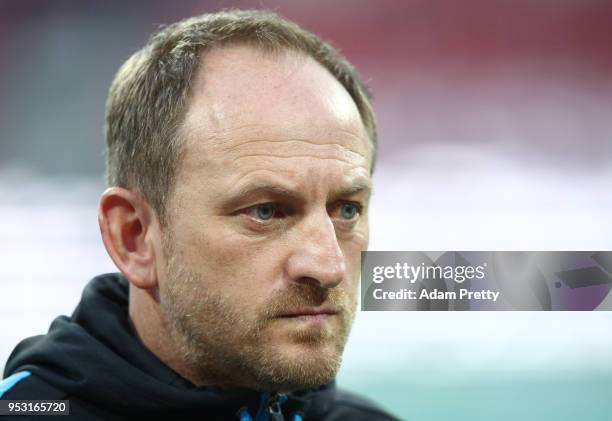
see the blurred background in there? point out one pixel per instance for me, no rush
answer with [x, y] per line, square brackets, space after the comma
[495, 122]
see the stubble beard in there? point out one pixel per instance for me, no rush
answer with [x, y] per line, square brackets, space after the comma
[225, 347]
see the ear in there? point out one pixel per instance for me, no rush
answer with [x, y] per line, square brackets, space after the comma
[130, 231]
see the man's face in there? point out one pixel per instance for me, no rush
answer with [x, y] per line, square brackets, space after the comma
[267, 221]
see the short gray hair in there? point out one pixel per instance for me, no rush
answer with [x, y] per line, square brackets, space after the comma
[149, 95]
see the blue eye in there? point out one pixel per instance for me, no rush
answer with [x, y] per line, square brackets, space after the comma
[265, 211]
[348, 210]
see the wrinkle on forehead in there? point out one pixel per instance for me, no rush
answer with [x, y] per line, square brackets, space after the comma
[295, 148]
[281, 154]
[250, 128]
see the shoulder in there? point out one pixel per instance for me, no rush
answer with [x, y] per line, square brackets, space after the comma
[351, 406]
[24, 385]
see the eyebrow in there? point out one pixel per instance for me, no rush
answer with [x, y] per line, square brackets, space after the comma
[355, 188]
[254, 190]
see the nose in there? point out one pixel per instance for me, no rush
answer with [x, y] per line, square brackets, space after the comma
[317, 258]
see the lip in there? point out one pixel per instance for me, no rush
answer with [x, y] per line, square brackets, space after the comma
[311, 312]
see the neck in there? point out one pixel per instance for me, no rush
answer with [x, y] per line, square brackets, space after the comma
[156, 334]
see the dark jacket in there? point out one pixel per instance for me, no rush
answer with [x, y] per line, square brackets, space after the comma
[95, 360]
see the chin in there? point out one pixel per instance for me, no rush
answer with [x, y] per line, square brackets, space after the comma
[301, 366]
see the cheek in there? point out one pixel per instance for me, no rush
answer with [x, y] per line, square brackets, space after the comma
[352, 253]
[353, 266]
[353, 246]
[228, 261]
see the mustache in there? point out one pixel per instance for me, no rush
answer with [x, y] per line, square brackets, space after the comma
[297, 296]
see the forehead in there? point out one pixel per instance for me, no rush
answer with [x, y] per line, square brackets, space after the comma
[245, 98]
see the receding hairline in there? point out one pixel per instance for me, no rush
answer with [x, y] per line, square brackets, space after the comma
[201, 74]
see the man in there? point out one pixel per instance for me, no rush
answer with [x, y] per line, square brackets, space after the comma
[240, 153]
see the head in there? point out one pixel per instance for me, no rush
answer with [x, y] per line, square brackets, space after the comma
[240, 153]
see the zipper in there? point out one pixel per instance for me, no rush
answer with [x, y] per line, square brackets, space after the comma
[270, 407]
[274, 407]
